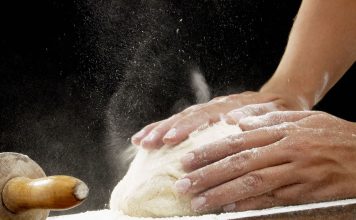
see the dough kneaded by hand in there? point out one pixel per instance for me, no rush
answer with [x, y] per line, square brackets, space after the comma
[147, 190]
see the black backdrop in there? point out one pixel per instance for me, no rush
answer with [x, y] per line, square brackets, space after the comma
[59, 66]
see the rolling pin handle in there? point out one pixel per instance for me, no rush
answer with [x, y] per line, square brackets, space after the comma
[52, 193]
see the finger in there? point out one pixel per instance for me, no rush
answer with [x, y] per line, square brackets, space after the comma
[189, 123]
[136, 138]
[203, 115]
[323, 120]
[153, 139]
[273, 118]
[295, 194]
[233, 167]
[178, 127]
[236, 115]
[208, 113]
[165, 130]
[287, 195]
[250, 185]
[210, 153]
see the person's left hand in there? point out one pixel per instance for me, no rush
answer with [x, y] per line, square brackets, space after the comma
[281, 158]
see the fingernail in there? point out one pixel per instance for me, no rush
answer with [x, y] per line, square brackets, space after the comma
[188, 158]
[198, 202]
[150, 137]
[237, 115]
[171, 134]
[183, 185]
[229, 208]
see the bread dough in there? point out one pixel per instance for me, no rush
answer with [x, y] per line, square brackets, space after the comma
[147, 190]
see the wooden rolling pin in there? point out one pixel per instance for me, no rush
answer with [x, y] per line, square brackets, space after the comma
[27, 194]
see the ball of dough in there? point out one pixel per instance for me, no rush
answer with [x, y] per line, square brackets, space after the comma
[147, 190]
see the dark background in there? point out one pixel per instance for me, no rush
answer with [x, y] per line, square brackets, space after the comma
[71, 71]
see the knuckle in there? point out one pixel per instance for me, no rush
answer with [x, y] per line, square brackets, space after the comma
[203, 109]
[235, 97]
[193, 108]
[198, 110]
[273, 116]
[326, 177]
[159, 129]
[299, 146]
[319, 116]
[322, 116]
[175, 116]
[278, 197]
[252, 180]
[221, 100]
[277, 194]
[201, 156]
[249, 109]
[246, 155]
[305, 141]
[287, 127]
[260, 109]
[247, 93]
[237, 162]
[268, 106]
[191, 117]
[218, 98]
[198, 177]
[233, 142]
[279, 106]
[242, 95]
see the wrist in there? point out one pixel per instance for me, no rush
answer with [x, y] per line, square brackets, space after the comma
[288, 95]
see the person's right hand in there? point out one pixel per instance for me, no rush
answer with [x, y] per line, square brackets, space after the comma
[231, 108]
[280, 158]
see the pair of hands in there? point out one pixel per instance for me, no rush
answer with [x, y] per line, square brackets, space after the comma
[281, 158]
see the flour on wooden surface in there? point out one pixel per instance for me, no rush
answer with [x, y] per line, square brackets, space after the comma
[116, 215]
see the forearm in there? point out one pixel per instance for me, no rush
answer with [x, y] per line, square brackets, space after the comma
[321, 47]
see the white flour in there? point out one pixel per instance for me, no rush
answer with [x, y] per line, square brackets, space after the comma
[116, 215]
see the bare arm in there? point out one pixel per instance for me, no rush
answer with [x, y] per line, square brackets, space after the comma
[321, 47]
